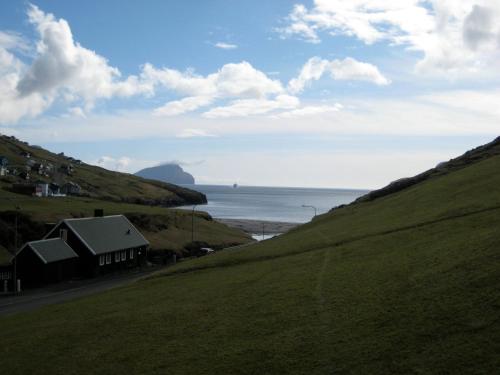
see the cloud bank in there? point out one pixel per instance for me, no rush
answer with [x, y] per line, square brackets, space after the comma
[65, 72]
[453, 35]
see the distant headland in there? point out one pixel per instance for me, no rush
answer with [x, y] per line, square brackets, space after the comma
[167, 172]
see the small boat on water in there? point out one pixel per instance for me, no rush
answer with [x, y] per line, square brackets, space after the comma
[235, 185]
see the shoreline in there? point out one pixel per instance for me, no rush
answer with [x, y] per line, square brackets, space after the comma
[255, 226]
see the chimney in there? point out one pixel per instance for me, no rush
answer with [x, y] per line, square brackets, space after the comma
[98, 212]
[63, 234]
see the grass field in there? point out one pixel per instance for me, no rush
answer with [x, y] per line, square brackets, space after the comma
[405, 284]
[173, 233]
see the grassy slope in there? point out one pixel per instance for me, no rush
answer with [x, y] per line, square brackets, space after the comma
[174, 237]
[97, 182]
[408, 283]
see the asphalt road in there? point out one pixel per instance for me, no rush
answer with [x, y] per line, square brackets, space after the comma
[36, 298]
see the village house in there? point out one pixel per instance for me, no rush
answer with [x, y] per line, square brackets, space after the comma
[71, 188]
[103, 244]
[4, 162]
[79, 247]
[42, 189]
[26, 154]
[54, 189]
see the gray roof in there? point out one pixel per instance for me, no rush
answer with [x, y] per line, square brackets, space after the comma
[107, 234]
[52, 250]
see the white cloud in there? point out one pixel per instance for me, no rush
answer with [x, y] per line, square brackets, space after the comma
[223, 45]
[346, 69]
[178, 107]
[453, 35]
[447, 113]
[480, 103]
[116, 164]
[76, 112]
[62, 64]
[194, 133]
[298, 25]
[64, 70]
[12, 106]
[249, 107]
[61, 69]
[309, 111]
[233, 81]
[12, 40]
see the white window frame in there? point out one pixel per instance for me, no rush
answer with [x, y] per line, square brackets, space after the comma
[108, 258]
[131, 253]
[102, 260]
[124, 255]
[117, 257]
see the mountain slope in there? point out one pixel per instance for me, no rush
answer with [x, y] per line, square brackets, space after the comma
[96, 182]
[407, 283]
[171, 173]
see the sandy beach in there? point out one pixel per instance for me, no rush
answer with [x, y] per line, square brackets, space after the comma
[255, 226]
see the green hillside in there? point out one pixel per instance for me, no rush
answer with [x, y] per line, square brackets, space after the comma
[95, 182]
[408, 283]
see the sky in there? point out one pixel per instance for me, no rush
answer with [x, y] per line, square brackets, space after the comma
[324, 93]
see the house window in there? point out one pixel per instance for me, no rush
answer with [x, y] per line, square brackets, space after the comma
[131, 254]
[101, 260]
[124, 255]
[108, 258]
[117, 256]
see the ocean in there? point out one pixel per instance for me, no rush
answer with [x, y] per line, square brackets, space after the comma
[271, 203]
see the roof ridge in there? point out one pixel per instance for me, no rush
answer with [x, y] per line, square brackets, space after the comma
[93, 217]
[47, 239]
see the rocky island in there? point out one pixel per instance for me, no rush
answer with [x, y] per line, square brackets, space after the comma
[168, 172]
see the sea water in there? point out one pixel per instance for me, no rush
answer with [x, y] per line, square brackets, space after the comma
[271, 203]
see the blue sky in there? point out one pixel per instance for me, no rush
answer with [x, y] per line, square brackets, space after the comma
[324, 93]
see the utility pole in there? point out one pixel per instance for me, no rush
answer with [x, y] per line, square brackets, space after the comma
[263, 233]
[16, 236]
[16, 248]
